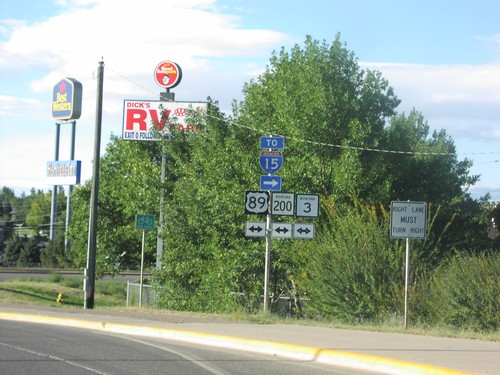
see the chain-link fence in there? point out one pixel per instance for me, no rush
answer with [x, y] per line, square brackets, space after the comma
[283, 306]
[149, 295]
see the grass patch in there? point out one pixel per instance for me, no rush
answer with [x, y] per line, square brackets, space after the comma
[112, 294]
[44, 291]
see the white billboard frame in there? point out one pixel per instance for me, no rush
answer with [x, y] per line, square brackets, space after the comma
[139, 117]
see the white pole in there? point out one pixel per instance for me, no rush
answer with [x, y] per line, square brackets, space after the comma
[407, 278]
[268, 260]
[142, 267]
[269, 233]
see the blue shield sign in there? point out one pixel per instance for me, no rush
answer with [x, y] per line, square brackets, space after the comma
[271, 161]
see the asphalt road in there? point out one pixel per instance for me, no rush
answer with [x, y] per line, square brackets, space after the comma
[356, 349]
[351, 349]
[27, 348]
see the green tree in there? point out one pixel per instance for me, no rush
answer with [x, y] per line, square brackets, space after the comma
[339, 121]
[7, 211]
[335, 117]
[129, 184]
[319, 98]
[206, 260]
[29, 254]
[53, 255]
[424, 167]
[12, 250]
[23, 204]
[38, 215]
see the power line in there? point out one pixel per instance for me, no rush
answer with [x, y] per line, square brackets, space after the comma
[356, 148]
[363, 148]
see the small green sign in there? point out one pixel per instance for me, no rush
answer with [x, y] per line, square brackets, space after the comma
[144, 222]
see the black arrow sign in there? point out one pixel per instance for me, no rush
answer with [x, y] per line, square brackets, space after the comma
[303, 230]
[255, 229]
[281, 230]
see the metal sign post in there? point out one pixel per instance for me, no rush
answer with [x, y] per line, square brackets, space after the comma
[271, 162]
[142, 266]
[271, 202]
[408, 220]
[143, 222]
[407, 280]
[267, 269]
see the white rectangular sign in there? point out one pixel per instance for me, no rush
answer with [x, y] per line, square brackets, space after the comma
[283, 204]
[307, 205]
[282, 230]
[303, 231]
[255, 229]
[408, 219]
[148, 120]
[65, 172]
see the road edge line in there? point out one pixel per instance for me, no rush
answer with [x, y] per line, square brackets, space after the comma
[304, 353]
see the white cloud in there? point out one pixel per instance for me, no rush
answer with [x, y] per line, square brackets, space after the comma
[492, 43]
[480, 190]
[132, 38]
[464, 99]
[20, 107]
[217, 56]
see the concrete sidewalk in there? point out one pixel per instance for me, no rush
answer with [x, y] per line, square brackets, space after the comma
[379, 352]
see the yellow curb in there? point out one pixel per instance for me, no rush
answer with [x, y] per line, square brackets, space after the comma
[297, 352]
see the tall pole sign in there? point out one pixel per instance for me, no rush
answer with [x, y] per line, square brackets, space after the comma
[408, 221]
[66, 106]
[167, 74]
[148, 120]
[270, 201]
[271, 162]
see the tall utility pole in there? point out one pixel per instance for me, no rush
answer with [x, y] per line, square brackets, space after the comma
[166, 96]
[89, 286]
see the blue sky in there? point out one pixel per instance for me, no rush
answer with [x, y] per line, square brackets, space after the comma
[442, 57]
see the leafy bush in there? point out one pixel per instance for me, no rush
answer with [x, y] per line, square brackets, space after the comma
[465, 292]
[53, 254]
[12, 250]
[356, 272]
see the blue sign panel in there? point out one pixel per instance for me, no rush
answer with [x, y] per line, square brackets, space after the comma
[272, 142]
[271, 161]
[67, 99]
[272, 183]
